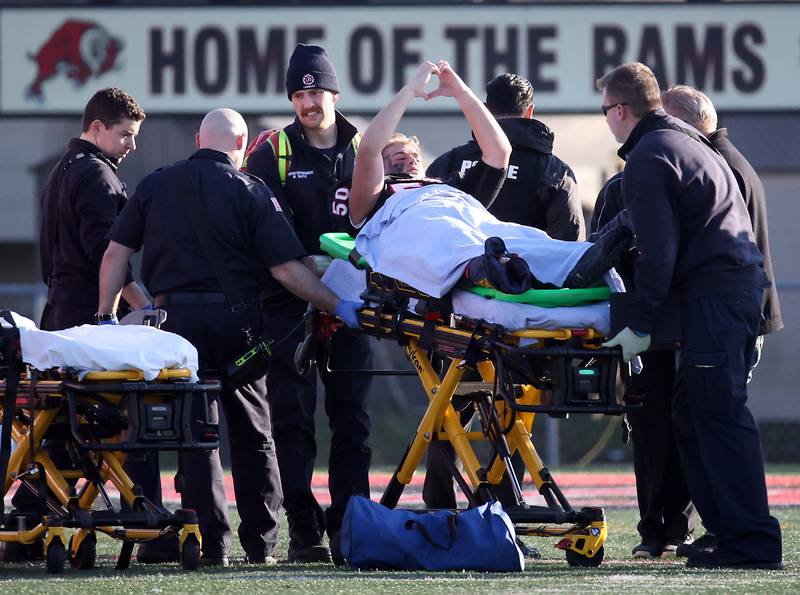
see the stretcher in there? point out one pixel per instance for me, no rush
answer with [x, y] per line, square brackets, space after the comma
[100, 418]
[508, 377]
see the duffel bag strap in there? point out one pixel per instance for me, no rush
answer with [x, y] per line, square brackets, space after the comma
[452, 521]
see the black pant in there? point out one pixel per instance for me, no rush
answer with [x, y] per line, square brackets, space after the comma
[218, 337]
[57, 316]
[717, 436]
[665, 510]
[293, 399]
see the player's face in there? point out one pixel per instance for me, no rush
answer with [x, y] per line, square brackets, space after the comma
[402, 158]
[315, 108]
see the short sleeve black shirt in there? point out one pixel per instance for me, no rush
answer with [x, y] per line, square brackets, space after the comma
[246, 223]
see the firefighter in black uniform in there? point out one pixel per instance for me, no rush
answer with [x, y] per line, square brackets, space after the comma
[323, 151]
[259, 248]
[79, 203]
[539, 191]
[694, 237]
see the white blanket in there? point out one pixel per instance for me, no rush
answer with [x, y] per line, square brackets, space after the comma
[90, 348]
[425, 237]
[348, 283]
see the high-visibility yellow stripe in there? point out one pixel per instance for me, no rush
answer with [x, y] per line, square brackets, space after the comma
[283, 143]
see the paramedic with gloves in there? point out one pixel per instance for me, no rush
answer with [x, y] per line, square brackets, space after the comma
[258, 247]
[694, 238]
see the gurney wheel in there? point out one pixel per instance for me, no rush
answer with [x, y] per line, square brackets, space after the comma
[190, 553]
[55, 556]
[579, 560]
[87, 553]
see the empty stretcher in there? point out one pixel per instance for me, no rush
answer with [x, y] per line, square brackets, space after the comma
[508, 376]
[100, 417]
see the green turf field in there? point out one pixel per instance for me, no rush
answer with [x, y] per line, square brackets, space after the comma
[618, 573]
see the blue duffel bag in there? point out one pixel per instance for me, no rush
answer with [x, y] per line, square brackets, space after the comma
[482, 539]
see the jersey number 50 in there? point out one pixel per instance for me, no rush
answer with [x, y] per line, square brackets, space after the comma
[339, 205]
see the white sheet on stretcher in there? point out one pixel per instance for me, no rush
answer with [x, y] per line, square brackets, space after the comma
[425, 236]
[348, 283]
[90, 348]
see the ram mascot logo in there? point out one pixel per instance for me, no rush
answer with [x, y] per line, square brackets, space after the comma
[78, 50]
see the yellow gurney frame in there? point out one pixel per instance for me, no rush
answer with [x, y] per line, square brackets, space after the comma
[100, 419]
[580, 377]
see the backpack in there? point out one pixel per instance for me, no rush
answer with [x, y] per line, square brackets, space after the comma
[282, 149]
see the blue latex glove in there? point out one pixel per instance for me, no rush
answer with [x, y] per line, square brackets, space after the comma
[348, 312]
[113, 321]
[145, 307]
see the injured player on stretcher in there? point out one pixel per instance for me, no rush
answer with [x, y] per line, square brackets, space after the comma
[431, 233]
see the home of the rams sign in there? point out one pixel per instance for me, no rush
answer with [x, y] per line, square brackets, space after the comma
[190, 60]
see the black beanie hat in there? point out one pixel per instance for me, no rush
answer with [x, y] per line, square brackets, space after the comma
[310, 68]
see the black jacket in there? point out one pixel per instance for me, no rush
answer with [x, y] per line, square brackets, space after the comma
[607, 207]
[310, 181]
[246, 226]
[756, 200]
[80, 201]
[540, 190]
[692, 228]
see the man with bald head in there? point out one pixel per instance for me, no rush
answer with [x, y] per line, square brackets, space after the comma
[246, 227]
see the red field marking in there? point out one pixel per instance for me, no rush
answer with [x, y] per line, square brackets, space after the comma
[582, 489]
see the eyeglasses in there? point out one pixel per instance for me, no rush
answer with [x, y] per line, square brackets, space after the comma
[605, 108]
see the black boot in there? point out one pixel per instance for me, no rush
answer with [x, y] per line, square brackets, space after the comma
[604, 254]
[305, 537]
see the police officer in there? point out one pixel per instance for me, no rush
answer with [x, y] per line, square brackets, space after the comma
[259, 248]
[323, 151]
[539, 191]
[695, 238]
[79, 203]
[666, 515]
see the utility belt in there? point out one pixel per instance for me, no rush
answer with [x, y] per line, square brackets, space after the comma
[67, 294]
[197, 297]
[251, 364]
